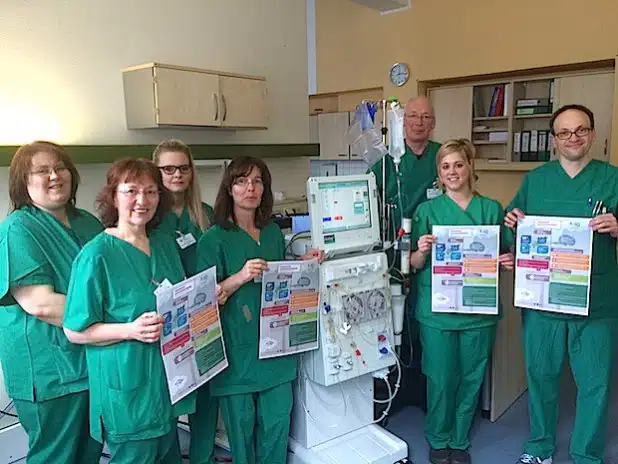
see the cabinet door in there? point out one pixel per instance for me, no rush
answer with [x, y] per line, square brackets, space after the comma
[243, 102]
[314, 131]
[186, 98]
[595, 91]
[453, 108]
[332, 130]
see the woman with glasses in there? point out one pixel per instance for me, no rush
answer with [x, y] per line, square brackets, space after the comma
[111, 307]
[189, 217]
[44, 373]
[186, 222]
[255, 395]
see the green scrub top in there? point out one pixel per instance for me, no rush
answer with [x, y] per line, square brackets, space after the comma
[549, 191]
[38, 361]
[417, 174]
[183, 224]
[443, 211]
[229, 250]
[114, 282]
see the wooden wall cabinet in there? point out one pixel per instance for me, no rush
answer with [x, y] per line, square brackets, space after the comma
[164, 95]
[462, 110]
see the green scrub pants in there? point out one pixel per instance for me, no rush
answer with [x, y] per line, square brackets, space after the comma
[591, 346]
[258, 424]
[203, 424]
[160, 450]
[59, 430]
[454, 362]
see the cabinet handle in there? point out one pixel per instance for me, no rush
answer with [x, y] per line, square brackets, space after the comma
[216, 100]
[224, 107]
[343, 154]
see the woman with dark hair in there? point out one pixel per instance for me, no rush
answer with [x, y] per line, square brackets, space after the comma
[45, 374]
[111, 308]
[255, 395]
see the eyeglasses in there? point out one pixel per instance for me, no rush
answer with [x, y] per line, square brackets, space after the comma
[419, 117]
[579, 132]
[244, 182]
[171, 169]
[46, 171]
[133, 192]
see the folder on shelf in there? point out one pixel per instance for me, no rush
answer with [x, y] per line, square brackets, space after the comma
[543, 148]
[534, 145]
[525, 146]
[517, 143]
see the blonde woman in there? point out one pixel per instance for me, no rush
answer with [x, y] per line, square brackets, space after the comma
[456, 347]
[188, 219]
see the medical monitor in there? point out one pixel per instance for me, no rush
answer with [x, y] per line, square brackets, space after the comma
[343, 212]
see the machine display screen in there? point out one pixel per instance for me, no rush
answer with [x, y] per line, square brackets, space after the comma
[345, 206]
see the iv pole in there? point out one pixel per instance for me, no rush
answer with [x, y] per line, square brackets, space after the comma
[384, 130]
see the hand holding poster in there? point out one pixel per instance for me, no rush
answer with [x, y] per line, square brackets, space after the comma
[192, 341]
[289, 313]
[553, 264]
[464, 269]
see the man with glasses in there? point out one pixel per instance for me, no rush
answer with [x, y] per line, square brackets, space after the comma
[418, 175]
[574, 185]
[418, 165]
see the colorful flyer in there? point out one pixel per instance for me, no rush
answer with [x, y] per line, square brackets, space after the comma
[289, 313]
[192, 340]
[553, 264]
[464, 269]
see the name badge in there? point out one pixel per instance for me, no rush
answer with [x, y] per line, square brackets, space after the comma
[185, 241]
[433, 193]
[162, 286]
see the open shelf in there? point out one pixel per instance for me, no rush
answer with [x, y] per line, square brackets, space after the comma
[489, 142]
[493, 129]
[534, 116]
[490, 118]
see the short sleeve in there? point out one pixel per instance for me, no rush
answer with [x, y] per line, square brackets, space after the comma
[420, 226]
[210, 253]
[519, 200]
[22, 260]
[86, 295]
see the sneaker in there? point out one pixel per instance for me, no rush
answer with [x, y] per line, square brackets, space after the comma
[439, 456]
[460, 457]
[529, 459]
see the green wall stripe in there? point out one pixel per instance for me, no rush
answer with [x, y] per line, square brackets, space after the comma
[97, 154]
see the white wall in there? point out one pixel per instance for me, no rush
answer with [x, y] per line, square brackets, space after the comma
[60, 63]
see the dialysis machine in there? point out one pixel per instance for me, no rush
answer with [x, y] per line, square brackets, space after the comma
[333, 416]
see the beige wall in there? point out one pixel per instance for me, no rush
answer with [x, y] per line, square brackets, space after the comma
[453, 38]
[442, 39]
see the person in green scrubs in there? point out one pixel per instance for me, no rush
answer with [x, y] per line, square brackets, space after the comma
[186, 222]
[111, 308]
[572, 186]
[44, 373]
[417, 169]
[255, 395]
[456, 347]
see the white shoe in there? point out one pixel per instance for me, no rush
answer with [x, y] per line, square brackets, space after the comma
[529, 459]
